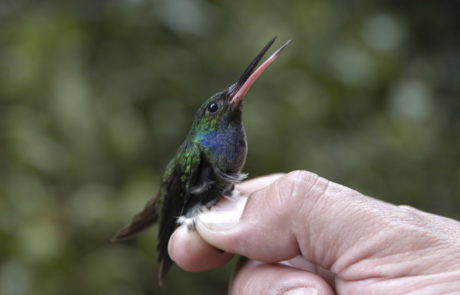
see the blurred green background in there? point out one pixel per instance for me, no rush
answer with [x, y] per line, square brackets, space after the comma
[96, 96]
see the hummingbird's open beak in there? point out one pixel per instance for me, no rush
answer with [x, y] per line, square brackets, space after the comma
[250, 75]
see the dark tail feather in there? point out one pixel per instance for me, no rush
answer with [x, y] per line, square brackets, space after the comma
[142, 220]
[165, 265]
[166, 230]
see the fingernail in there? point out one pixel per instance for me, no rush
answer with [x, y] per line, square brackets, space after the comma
[302, 291]
[170, 253]
[219, 220]
[225, 215]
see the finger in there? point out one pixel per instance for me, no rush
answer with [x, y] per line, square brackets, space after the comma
[190, 252]
[258, 183]
[253, 277]
[264, 230]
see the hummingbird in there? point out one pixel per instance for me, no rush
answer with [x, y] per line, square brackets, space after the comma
[206, 166]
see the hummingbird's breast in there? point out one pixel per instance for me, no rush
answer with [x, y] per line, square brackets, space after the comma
[226, 147]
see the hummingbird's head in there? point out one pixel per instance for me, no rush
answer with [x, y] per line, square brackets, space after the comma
[224, 108]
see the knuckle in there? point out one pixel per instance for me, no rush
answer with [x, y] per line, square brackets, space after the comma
[299, 180]
[296, 185]
[309, 192]
[302, 181]
[302, 176]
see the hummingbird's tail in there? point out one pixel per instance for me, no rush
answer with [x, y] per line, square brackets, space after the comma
[142, 220]
[165, 265]
[167, 227]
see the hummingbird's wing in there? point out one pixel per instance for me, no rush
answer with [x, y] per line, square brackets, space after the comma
[180, 177]
[169, 198]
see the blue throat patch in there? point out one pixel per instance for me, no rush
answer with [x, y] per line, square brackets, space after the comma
[224, 142]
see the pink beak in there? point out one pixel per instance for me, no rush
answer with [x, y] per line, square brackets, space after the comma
[250, 76]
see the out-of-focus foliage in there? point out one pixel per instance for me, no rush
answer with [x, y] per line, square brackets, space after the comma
[95, 97]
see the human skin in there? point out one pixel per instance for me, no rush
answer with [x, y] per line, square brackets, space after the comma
[303, 234]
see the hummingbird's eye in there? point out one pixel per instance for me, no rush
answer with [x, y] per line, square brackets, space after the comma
[213, 107]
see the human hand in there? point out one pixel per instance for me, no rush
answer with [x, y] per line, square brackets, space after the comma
[302, 231]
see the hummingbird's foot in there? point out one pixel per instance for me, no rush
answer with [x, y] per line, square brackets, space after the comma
[230, 177]
[229, 191]
[232, 195]
[201, 187]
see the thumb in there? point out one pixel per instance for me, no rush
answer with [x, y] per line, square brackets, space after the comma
[301, 213]
[263, 226]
